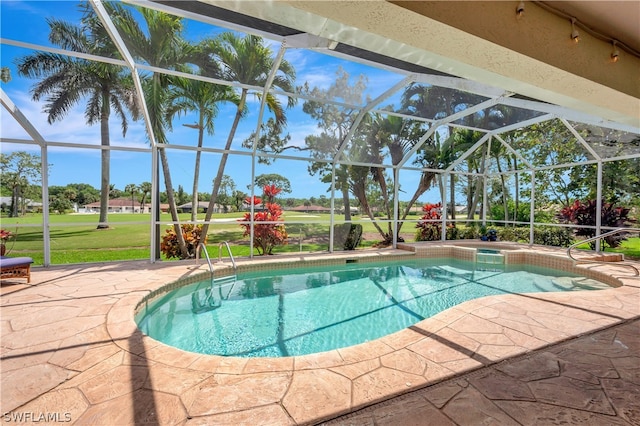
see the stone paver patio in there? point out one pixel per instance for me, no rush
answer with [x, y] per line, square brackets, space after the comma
[71, 351]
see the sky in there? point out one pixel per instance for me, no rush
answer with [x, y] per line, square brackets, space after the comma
[26, 21]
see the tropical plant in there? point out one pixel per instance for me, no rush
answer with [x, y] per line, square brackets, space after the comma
[203, 98]
[248, 60]
[160, 44]
[584, 213]
[191, 234]
[145, 189]
[429, 227]
[132, 189]
[272, 233]
[65, 81]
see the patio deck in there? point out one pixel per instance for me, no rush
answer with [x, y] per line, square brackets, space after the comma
[70, 351]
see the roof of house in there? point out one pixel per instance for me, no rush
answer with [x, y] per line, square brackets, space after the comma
[304, 208]
[116, 202]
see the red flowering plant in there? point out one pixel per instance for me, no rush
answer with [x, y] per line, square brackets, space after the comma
[271, 232]
[5, 235]
[430, 224]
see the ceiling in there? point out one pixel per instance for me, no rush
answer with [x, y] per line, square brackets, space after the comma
[619, 20]
[481, 42]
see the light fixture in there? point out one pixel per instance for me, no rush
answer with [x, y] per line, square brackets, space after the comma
[615, 53]
[575, 35]
[520, 9]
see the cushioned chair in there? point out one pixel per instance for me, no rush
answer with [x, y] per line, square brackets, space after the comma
[15, 267]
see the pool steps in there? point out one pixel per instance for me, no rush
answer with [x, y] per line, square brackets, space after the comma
[490, 258]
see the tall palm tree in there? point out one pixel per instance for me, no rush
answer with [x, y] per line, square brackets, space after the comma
[145, 189]
[132, 189]
[249, 61]
[203, 98]
[65, 81]
[159, 43]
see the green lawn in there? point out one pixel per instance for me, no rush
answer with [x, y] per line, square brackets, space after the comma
[75, 239]
[630, 248]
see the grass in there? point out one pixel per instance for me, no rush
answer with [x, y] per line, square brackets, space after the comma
[630, 248]
[75, 239]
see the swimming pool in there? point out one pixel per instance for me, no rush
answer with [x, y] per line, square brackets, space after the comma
[301, 311]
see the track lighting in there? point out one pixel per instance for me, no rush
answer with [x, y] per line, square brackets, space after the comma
[615, 53]
[520, 9]
[575, 35]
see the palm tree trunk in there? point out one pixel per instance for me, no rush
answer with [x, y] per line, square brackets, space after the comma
[425, 183]
[223, 162]
[104, 164]
[172, 204]
[196, 171]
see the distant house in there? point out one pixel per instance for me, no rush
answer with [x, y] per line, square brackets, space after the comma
[29, 205]
[203, 206]
[311, 209]
[119, 205]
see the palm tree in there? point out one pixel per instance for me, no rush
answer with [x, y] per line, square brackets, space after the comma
[249, 61]
[203, 98]
[132, 189]
[145, 189]
[66, 81]
[160, 44]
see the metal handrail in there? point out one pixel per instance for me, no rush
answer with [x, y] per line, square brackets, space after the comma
[598, 237]
[233, 261]
[203, 246]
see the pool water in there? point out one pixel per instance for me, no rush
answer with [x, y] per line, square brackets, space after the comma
[301, 311]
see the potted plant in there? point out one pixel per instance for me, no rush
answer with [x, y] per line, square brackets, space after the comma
[4, 237]
[483, 233]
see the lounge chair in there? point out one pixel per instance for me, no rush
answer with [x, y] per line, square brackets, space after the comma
[15, 267]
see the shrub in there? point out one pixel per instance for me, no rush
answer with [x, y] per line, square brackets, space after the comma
[432, 231]
[553, 236]
[584, 213]
[266, 235]
[192, 237]
[348, 235]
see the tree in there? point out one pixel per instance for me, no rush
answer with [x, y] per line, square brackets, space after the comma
[65, 81]
[247, 60]
[132, 189]
[272, 179]
[334, 123]
[225, 194]
[203, 98]
[160, 44]
[19, 170]
[238, 199]
[145, 189]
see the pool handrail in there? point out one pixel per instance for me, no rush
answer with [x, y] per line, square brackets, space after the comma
[203, 247]
[598, 237]
[233, 261]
